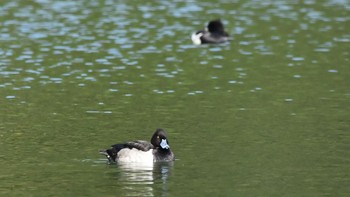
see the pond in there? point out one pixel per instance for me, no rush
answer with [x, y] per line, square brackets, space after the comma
[267, 114]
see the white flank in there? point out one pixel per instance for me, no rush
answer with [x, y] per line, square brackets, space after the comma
[196, 38]
[127, 155]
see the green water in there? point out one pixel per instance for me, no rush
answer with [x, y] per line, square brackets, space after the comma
[265, 115]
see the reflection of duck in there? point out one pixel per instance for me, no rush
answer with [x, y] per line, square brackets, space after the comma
[140, 151]
[144, 180]
[214, 33]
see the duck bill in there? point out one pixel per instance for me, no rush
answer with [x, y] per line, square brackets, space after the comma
[164, 144]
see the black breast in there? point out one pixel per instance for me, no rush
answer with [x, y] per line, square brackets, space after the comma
[163, 155]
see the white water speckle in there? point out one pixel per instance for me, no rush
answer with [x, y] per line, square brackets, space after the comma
[332, 71]
[232, 82]
[297, 58]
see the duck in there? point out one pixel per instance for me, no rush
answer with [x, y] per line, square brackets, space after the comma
[141, 151]
[214, 33]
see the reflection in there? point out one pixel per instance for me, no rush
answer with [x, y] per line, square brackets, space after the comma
[144, 179]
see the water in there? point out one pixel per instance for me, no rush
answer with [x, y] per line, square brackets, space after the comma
[264, 115]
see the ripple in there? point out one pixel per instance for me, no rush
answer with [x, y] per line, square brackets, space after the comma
[90, 78]
[297, 59]
[217, 66]
[166, 75]
[150, 49]
[28, 79]
[288, 100]
[158, 91]
[341, 39]
[322, 50]
[256, 89]
[115, 52]
[332, 71]
[98, 112]
[38, 35]
[245, 52]
[102, 61]
[195, 92]
[10, 97]
[9, 73]
[215, 49]
[22, 88]
[128, 82]
[24, 57]
[232, 82]
[163, 92]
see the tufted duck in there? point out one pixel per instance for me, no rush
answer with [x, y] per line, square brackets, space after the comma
[214, 33]
[141, 151]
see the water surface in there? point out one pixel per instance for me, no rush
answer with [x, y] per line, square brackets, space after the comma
[264, 115]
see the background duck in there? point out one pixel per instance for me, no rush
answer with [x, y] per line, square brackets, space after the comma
[214, 33]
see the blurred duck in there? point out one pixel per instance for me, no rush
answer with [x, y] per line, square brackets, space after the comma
[214, 33]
